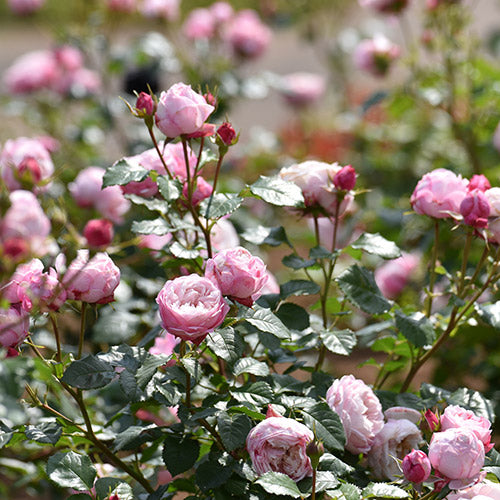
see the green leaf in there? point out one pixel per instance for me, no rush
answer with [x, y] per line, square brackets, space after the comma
[222, 204]
[277, 483]
[360, 288]
[339, 341]
[88, 373]
[258, 394]
[298, 287]
[180, 455]
[158, 226]
[181, 252]
[293, 316]
[169, 189]
[153, 204]
[265, 321]
[250, 365]
[233, 430]
[490, 314]
[346, 491]
[326, 425]
[226, 344]
[107, 486]
[46, 432]
[278, 192]
[333, 464]
[135, 435]
[211, 474]
[325, 480]
[474, 401]
[416, 328]
[295, 262]
[377, 245]
[71, 470]
[260, 235]
[383, 490]
[122, 172]
[148, 369]
[115, 326]
[6, 434]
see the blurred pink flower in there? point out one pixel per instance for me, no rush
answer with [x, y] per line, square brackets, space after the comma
[302, 89]
[475, 209]
[200, 24]
[98, 233]
[479, 182]
[168, 9]
[127, 6]
[393, 276]
[154, 242]
[385, 6]
[376, 55]
[150, 160]
[14, 326]
[23, 7]
[222, 12]
[224, 235]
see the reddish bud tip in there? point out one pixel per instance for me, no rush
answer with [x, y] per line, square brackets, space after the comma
[479, 182]
[345, 178]
[226, 133]
[30, 167]
[98, 232]
[145, 104]
[211, 99]
[432, 420]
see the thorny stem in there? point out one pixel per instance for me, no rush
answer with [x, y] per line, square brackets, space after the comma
[465, 258]
[313, 493]
[182, 352]
[216, 177]
[82, 330]
[432, 278]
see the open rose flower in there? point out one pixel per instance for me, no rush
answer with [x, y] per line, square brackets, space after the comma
[392, 276]
[191, 307]
[359, 410]
[279, 444]
[480, 491]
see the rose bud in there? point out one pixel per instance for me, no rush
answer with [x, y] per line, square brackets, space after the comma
[475, 209]
[416, 467]
[30, 170]
[145, 104]
[315, 451]
[15, 248]
[98, 232]
[432, 420]
[12, 353]
[226, 133]
[211, 99]
[479, 182]
[345, 178]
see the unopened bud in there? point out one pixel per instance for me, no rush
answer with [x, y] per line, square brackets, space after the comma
[211, 99]
[345, 178]
[432, 420]
[416, 467]
[98, 232]
[315, 451]
[226, 133]
[30, 170]
[145, 104]
[479, 182]
[114, 496]
[12, 353]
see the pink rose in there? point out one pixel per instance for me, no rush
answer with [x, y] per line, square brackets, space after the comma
[191, 307]
[402, 413]
[416, 467]
[181, 111]
[222, 12]
[493, 197]
[173, 154]
[376, 55]
[302, 89]
[480, 491]
[279, 444]
[439, 192]
[456, 453]
[475, 209]
[457, 417]
[396, 439]
[223, 235]
[112, 204]
[164, 344]
[24, 7]
[479, 182]
[150, 160]
[93, 281]
[385, 6]
[122, 5]
[345, 178]
[359, 410]
[168, 9]
[494, 230]
[14, 326]
[202, 191]
[393, 276]
[200, 24]
[98, 232]
[272, 285]
[247, 35]
[239, 275]
[154, 242]
[78, 83]
[21, 155]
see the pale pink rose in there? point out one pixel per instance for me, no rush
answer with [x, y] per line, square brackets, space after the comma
[239, 274]
[165, 344]
[416, 467]
[272, 285]
[173, 154]
[456, 453]
[392, 276]
[493, 197]
[112, 204]
[23, 7]
[168, 9]
[439, 192]
[93, 281]
[385, 6]
[359, 410]
[494, 230]
[396, 439]
[22, 154]
[223, 235]
[222, 12]
[181, 111]
[480, 491]
[279, 444]
[376, 55]
[26, 220]
[69, 57]
[200, 24]
[475, 209]
[150, 160]
[154, 242]
[98, 233]
[247, 35]
[457, 417]
[191, 307]
[14, 326]
[302, 89]
[122, 5]
[315, 179]
[479, 182]
[79, 83]
[32, 72]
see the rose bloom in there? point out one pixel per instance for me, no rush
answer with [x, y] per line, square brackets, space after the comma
[416, 467]
[457, 417]
[393, 276]
[279, 444]
[150, 160]
[315, 179]
[168, 9]
[272, 285]
[479, 182]
[181, 111]
[456, 453]
[153, 241]
[14, 326]
[25, 6]
[385, 6]
[475, 209]
[247, 35]
[222, 12]
[122, 5]
[396, 439]
[239, 275]
[302, 89]
[191, 307]
[480, 491]
[359, 410]
[223, 235]
[164, 344]
[93, 281]
[493, 197]
[439, 192]
[21, 153]
[376, 55]
[200, 24]
[494, 230]
[98, 232]
[173, 154]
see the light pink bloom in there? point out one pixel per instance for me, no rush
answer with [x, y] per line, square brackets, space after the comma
[272, 285]
[402, 413]
[416, 467]
[168, 9]
[239, 274]
[493, 197]
[202, 190]
[359, 410]
[392, 276]
[23, 7]
[376, 55]
[93, 281]
[479, 182]
[396, 439]
[173, 154]
[191, 307]
[149, 160]
[279, 444]
[23, 153]
[302, 89]
[200, 24]
[165, 344]
[122, 5]
[222, 12]
[457, 417]
[456, 453]
[494, 230]
[439, 192]
[385, 6]
[247, 35]
[224, 235]
[475, 209]
[79, 83]
[154, 242]
[181, 111]
[315, 179]
[14, 326]
[69, 57]
[480, 491]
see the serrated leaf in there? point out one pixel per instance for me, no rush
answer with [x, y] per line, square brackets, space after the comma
[46, 432]
[326, 425]
[416, 328]
[265, 320]
[339, 341]
[360, 288]
[145, 372]
[233, 430]
[226, 344]
[153, 204]
[278, 192]
[333, 464]
[298, 287]
[258, 394]
[159, 226]
[325, 480]
[295, 262]
[71, 470]
[180, 455]
[293, 316]
[221, 204]
[383, 490]
[377, 245]
[133, 436]
[250, 365]
[490, 314]
[181, 252]
[168, 188]
[346, 491]
[107, 486]
[88, 373]
[260, 235]
[277, 483]
[122, 172]
[211, 474]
